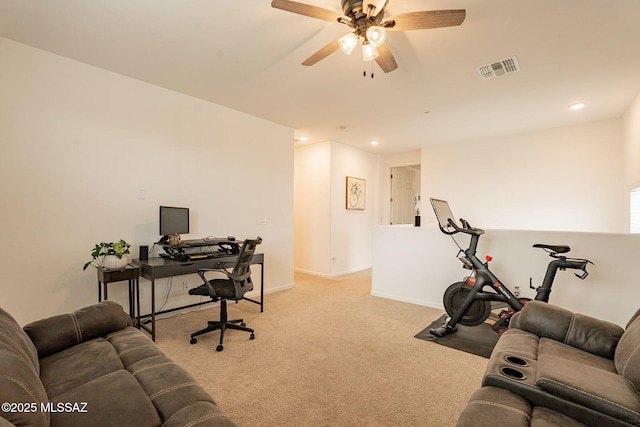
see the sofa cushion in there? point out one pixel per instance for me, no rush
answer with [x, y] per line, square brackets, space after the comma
[169, 386]
[549, 346]
[577, 330]
[77, 365]
[133, 346]
[544, 417]
[60, 332]
[490, 406]
[594, 388]
[627, 358]
[199, 414]
[171, 389]
[112, 399]
[19, 375]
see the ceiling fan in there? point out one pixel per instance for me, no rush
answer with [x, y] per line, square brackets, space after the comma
[368, 23]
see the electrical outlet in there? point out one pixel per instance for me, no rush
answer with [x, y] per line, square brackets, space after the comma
[186, 286]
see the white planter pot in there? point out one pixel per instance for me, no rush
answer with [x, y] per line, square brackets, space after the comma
[112, 262]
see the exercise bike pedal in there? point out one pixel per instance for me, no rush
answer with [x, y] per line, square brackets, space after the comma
[503, 323]
[442, 331]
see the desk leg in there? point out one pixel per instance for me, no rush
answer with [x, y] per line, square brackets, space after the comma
[131, 299]
[99, 291]
[153, 310]
[137, 303]
[261, 287]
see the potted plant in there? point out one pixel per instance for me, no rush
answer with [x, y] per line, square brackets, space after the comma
[110, 255]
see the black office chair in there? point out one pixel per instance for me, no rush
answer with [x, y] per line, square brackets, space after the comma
[233, 287]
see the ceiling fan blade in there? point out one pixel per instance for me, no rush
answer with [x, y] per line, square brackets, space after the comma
[322, 53]
[426, 19]
[307, 10]
[385, 59]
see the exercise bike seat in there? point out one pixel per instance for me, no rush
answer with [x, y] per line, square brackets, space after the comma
[558, 249]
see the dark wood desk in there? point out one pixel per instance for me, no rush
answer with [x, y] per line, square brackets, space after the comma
[157, 267]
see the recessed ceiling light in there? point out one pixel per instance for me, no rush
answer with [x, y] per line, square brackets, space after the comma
[303, 138]
[577, 106]
[374, 142]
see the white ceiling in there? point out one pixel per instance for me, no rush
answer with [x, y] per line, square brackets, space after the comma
[246, 55]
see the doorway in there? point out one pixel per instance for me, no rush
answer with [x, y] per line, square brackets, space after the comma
[405, 194]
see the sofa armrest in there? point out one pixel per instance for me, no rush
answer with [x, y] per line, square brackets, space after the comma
[6, 423]
[58, 333]
[595, 336]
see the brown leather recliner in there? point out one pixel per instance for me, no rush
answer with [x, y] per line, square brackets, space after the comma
[568, 363]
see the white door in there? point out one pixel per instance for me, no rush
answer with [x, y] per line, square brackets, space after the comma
[403, 195]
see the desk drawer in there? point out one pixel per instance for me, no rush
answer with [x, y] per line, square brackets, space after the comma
[166, 268]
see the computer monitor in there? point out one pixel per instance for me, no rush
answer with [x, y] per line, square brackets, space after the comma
[443, 213]
[173, 220]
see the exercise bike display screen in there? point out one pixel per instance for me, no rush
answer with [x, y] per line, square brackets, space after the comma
[443, 213]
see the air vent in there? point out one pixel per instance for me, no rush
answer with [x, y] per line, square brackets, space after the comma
[500, 68]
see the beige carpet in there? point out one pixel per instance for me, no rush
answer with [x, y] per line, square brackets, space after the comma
[326, 353]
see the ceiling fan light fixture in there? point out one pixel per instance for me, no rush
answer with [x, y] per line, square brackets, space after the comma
[369, 52]
[376, 35]
[348, 43]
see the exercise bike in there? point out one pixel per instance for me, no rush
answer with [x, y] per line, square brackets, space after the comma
[468, 302]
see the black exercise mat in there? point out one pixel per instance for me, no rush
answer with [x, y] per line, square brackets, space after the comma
[478, 340]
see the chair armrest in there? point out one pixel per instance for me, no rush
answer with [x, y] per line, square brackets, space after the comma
[58, 333]
[593, 335]
[205, 270]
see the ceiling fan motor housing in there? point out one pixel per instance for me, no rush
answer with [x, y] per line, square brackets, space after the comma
[360, 20]
[349, 6]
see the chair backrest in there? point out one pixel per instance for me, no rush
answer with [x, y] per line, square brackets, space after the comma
[241, 273]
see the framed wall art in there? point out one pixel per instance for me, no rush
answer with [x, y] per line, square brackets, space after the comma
[355, 193]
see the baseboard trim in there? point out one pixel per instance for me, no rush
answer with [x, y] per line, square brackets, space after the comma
[423, 303]
[256, 290]
[332, 275]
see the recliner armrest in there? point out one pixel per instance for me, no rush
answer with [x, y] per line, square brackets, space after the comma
[58, 333]
[595, 336]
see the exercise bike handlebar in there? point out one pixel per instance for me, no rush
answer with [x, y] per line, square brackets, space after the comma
[575, 264]
[466, 228]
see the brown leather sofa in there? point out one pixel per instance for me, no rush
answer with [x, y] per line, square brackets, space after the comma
[560, 368]
[92, 368]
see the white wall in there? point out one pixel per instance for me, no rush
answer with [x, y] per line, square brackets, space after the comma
[329, 239]
[351, 230]
[631, 122]
[558, 179]
[417, 264]
[77, 144]
[570, 181]
[312, 207]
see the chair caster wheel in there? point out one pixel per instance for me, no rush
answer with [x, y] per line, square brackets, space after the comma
[193, 340]
[219, 347]
[252, 336]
